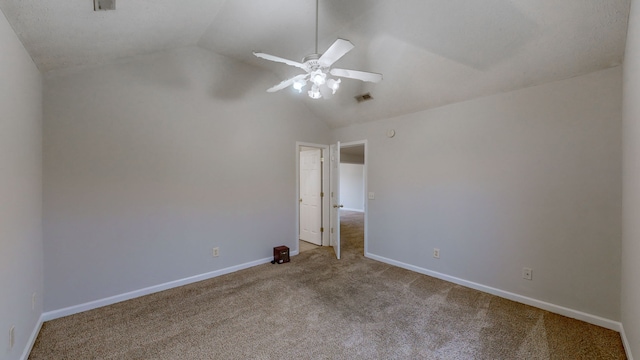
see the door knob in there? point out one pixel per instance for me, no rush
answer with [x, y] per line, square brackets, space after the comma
[300, 199]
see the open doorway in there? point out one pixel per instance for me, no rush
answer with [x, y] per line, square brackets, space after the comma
[352, 196]
[331, 206]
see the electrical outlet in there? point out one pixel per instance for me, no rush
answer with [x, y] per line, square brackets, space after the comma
[436, 253]
[216, 252]
[527, 273]
[33, 300]
[12, 336]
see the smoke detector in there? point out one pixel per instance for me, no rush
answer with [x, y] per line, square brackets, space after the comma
[99, 5]
[364, 97]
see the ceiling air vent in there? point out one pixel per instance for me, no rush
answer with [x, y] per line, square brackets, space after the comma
[104, 5]
[364, 97]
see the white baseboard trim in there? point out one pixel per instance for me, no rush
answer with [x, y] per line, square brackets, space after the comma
[55, 314]
[557, 309]
[625, 342]
[32, 339]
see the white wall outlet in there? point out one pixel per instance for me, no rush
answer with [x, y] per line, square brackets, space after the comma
[436, 253]
[216, 252]
[372, 195]
[527, 273]
[34, 296]
[12, 336]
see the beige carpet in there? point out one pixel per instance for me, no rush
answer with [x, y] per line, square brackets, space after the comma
[306, 246]
[317, 307]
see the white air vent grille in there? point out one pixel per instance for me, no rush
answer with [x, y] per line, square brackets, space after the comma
[99, 5]
[364, 97]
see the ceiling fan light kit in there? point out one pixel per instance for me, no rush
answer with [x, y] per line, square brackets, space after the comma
[318, 68]
[314, 93]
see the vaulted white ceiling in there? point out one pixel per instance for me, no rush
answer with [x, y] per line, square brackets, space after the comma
[431, 52]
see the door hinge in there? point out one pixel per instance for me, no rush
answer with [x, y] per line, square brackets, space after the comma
[322, 194]
[321, 159]
[332, 230]
[321, 229]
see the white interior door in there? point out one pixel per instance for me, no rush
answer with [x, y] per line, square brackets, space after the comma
[334, 186]
[310, 200]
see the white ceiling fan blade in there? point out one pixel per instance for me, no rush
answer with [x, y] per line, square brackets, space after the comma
[278, 59]
[358, 75]
[287, 82]
[337, 50]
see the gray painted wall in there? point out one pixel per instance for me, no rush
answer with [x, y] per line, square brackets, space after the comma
[352, 186]
[151, 163]
[530, 178]
[20, 192]
[631, 185]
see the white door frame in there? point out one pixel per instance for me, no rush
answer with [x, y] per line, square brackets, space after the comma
[334, 198]
[325, 189]
[366, 188]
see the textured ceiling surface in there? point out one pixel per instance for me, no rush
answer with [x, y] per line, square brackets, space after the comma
[431, 52]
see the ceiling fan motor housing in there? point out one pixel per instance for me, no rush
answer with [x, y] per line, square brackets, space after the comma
[311, 62]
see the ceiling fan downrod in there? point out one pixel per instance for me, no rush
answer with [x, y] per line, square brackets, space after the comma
[317, 7]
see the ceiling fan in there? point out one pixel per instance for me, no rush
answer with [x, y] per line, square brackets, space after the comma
[318, 69]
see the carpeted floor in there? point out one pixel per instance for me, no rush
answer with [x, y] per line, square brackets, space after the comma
[306, 246]
[316, 307]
